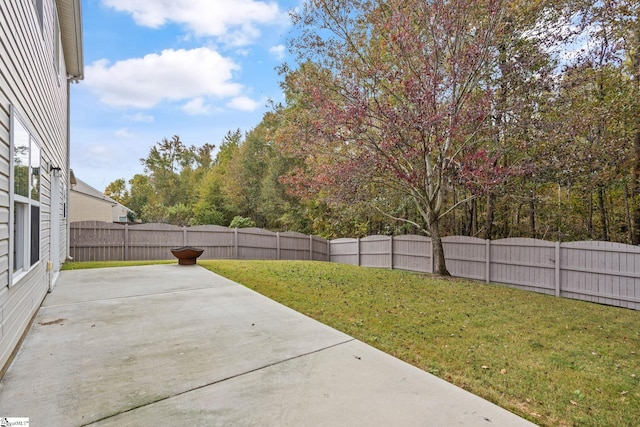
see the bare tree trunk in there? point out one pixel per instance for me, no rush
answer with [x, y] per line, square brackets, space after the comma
[488, 231]
[465, 224]
[627, 210]
[439, 262]
[603, 215]
[506, 223]
[532, 217]
[474, 217]
[635, 169]
[590, 217]
[635, 190]
[454, 221]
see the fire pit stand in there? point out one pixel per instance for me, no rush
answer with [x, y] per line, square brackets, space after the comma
[187, 255]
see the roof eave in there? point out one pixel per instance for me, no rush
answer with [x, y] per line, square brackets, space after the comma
[70, 16]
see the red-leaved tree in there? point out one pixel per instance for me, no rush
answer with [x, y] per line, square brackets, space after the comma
[392, 97]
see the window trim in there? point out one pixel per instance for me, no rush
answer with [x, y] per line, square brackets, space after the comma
[38, 5]
[27, 202]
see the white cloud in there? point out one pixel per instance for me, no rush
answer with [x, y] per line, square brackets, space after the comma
[196, 107]
[172, 75]
[140, 118]
[124, 133]
[99, 151]
[233, 22]
[243, 103]
[277, 51]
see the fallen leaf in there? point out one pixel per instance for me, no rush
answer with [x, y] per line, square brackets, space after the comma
[484, 367]
[503, 371]
[574, 403]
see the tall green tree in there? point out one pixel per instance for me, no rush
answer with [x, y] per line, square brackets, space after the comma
[118, 191]
[212, 205]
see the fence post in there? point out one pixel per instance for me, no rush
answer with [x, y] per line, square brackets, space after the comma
[391, 252]
[310, 247]
[277, 245]
[328, 250]
[126, 242]
[358, 251]
[184, 235]
[557, 269]
[488, 261]
[235, 243]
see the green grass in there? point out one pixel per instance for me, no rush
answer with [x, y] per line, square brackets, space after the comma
[554, 361]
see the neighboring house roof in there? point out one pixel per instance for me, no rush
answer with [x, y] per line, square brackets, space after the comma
[70, 17]
[82, 187]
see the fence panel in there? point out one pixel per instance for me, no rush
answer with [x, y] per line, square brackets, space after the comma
[320, 248]
[154, 241]
[345, 251]
[602, 272]
[102, 241]
[466, 256]
[295, 246]
[412, 252]
[527, 264]
[375, 251]
[218, 242]
[256, 243]
[97, 241]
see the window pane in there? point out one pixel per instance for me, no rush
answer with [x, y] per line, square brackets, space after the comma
[35, 234]
[35, 171]
[20, 159]
[19, 224]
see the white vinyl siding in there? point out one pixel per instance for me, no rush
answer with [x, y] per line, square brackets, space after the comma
[29, 82]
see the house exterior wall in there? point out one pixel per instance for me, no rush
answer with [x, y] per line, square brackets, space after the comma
[119, 213]
[87, 208]
[33, 84]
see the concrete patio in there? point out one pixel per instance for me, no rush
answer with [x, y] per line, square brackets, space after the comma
[179, 345]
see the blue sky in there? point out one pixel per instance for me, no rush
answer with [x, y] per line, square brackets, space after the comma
[154, 69]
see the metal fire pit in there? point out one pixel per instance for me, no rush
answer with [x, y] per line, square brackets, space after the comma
[187, 255]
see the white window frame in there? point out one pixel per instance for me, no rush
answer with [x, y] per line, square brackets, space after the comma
[39, 7]
[21, 207]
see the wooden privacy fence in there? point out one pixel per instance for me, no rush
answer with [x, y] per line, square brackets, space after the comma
[104, 241]
[602, 272]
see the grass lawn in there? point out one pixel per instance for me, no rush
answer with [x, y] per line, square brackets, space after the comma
[554, 361]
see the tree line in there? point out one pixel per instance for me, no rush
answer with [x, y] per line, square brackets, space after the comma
[488, 118]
